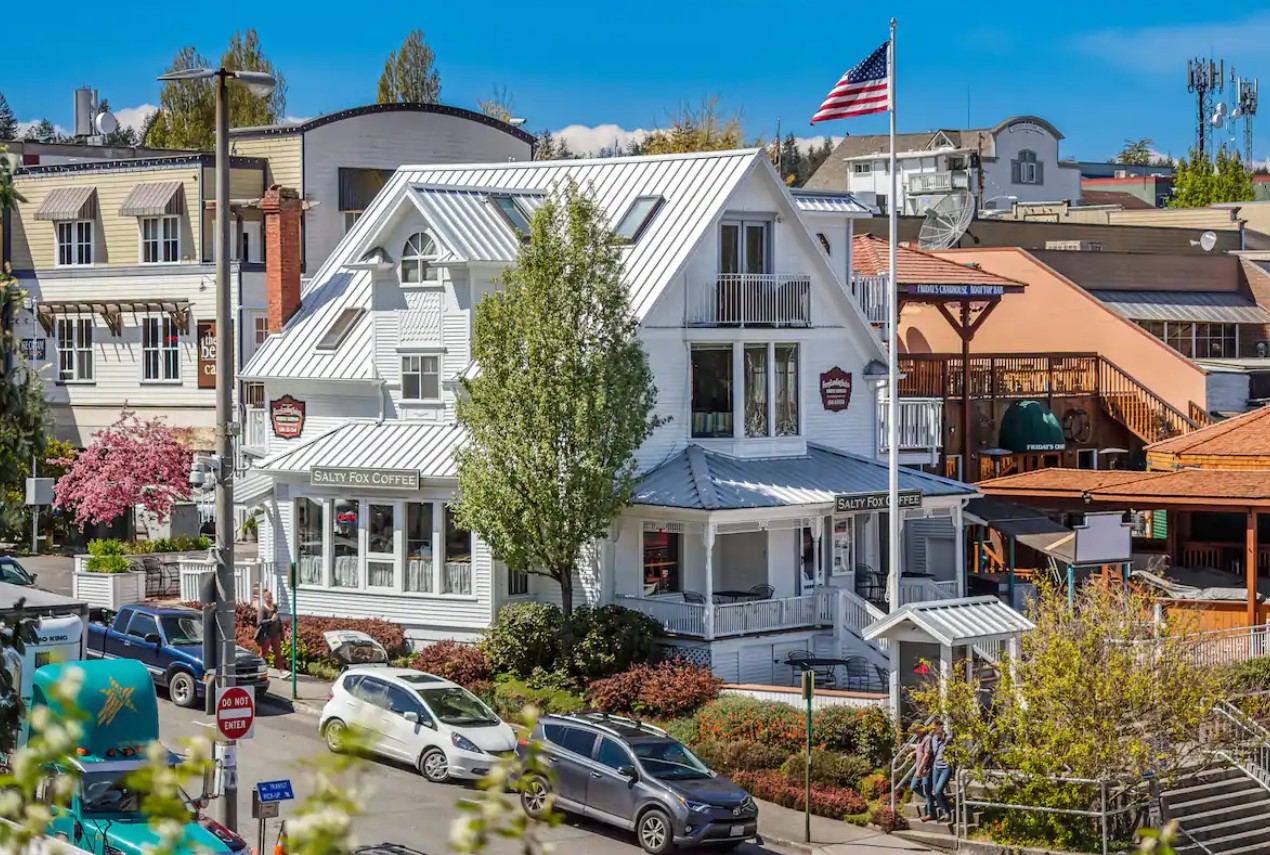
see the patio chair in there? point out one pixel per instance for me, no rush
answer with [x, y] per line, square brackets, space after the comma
[862, 675]
[870, 584]
[763, 592]
[694, 597]
[800, 661]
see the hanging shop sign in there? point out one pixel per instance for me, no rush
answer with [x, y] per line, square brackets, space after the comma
[957, 290]
[835, 389]
[34, 349]
[384, 479]
[876, 501]
[287, 415]
[206, 335]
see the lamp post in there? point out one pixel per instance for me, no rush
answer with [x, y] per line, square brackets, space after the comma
[260, 84]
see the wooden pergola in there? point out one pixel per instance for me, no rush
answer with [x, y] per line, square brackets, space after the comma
[964, 294]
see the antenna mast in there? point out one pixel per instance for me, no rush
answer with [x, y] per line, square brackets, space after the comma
[1204, 77]
[1246, 94]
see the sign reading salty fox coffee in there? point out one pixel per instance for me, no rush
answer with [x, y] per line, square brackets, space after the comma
[876, 501]
[385, 479]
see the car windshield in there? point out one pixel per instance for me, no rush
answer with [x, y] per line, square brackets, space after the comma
[457, 707]
[182, 629]
[106, 792]
[13, 573]
[670, 761]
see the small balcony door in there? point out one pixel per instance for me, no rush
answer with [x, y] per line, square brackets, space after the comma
[744, 247]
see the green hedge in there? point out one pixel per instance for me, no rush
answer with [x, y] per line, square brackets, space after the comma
[511, 696]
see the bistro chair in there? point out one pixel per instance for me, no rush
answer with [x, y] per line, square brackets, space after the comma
[694, 597]
[870, 584]
[763, 592]
[862, 675]
[800, 661]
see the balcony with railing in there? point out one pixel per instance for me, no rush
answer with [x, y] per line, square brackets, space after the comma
[255, 437]
[921, 426]
[870, 292]
[750, 300]
[938, 182]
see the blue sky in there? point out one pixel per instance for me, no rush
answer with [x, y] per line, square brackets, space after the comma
[1099, 77]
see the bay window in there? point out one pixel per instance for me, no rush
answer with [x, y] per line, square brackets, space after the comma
[787, 390]
[344, 543]
[768, 390]
[456, 577]
[711, 390]
[420, 572]
[308, 536]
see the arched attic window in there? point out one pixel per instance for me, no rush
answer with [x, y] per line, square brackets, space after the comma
[1027, 169]
[418, 258]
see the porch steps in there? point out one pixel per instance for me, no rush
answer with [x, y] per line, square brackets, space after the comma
[1222, 808]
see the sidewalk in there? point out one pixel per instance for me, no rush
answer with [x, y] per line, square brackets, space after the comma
[782, 829]
[311, 693]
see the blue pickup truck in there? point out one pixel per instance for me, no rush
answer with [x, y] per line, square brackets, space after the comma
[168, 640]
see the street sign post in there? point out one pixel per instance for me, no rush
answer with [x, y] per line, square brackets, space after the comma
[275, 791]
[235, 712]
[266, 796]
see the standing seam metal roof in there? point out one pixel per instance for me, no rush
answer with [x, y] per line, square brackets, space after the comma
[467, 225]
[425, 447]
[1220, 307]
[955, 622]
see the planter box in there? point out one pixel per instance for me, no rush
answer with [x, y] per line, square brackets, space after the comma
[108, 590]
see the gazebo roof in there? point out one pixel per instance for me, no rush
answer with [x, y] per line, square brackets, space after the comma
[952, 623]
[1244, 436]
[869, 257]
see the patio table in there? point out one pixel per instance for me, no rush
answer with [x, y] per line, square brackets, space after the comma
[737, 596]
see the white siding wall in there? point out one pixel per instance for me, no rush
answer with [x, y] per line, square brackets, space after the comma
[387, 141]
[1058, 183]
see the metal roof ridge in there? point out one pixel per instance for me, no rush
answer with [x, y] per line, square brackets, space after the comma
[582, 161]
[699, 467]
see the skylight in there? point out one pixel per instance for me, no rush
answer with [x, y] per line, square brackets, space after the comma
[637, 218]
[340, 329]
[512, 213]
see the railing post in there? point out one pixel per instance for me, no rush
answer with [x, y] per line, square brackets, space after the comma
[1102, 817]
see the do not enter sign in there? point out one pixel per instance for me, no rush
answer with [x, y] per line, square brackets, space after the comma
[235, 712]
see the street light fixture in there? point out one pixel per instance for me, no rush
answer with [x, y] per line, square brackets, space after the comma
[260, 84]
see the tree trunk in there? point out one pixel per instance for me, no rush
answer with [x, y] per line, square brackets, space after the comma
[565, 577]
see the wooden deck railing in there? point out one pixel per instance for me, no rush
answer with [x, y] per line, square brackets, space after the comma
[1199, 415]
[1149, 416]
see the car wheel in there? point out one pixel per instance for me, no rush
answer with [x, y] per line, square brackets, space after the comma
[434, 766]
[534, 796]
[334, 734]
[182, 690]
[656, 834]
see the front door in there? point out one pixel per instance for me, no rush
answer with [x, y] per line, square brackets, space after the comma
[607, 792]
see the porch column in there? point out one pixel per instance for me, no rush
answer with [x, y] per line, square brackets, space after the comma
[945, 670]
[817, 536]
[1173, 537]
[1250, 566]
[1010, 542]
[959, 559]
[893, 653]
[707, 536]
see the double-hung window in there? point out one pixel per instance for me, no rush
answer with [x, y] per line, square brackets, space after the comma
[74, 349]
[420, 378]
[160, 349]
[160, 240]
[74, 243]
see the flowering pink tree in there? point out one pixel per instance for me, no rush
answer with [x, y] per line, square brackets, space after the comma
[132, 462]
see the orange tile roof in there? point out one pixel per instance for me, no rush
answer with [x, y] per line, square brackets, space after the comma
[1244, 435]
[1219, 484]
[1064, 480]
[1198, 486]
[869, 257]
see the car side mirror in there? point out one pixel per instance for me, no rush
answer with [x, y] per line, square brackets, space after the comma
[411, 716]
[154, 638]
[33, 576]
[628, 772]
[78, 831]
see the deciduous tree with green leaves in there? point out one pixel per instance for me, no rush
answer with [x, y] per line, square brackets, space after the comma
[700, 128]
[1201, 180]
[563, 400]
[409, 76]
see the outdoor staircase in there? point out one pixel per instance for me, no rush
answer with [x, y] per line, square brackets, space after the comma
[1147, 416]
[1222, 811]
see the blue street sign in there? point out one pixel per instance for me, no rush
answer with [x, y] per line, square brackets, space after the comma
[275, 791]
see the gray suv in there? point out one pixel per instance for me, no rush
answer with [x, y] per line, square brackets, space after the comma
[634, 776]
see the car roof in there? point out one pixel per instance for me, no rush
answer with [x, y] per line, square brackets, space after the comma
[414, 679]
[624, 728]
[160, 610]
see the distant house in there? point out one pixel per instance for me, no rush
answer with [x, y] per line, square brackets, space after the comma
[1016, 160]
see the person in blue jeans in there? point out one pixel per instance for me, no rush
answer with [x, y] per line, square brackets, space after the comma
[940, 772]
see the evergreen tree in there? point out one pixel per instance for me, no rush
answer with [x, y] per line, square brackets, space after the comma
[42, 131]
[791, 161]
[409, 76]
[124, 135]
[551, 148]
[8, 122]
[702, 128]
[1202, 180]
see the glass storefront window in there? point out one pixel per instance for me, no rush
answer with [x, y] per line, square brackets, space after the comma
[419, 569]
[843, 545]
[456, 574]
[344, 543]
[381, 559]
[756, 390]
[711, 390]
[787, 390]
[308, 537]
[662, 551]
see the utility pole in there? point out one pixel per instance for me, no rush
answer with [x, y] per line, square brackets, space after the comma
[1204, 77]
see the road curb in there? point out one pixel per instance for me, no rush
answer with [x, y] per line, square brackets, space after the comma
[290, 705]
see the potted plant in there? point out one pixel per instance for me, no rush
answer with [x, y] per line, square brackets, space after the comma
[106, 577]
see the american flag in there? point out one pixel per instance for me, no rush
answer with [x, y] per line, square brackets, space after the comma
[861, 90]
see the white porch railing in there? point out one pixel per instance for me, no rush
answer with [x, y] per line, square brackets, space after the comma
[938, 182]
[674, 615]
[870, 292]
[921, 424]
[925, 590]
[751, 299]
[726, 619]
[247, 574]
[1225, 646]
[255, 429]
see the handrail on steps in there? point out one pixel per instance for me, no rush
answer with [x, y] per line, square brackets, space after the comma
[905, 759]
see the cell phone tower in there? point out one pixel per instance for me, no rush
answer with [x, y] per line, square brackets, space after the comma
[1246, 93]
[1204, 78]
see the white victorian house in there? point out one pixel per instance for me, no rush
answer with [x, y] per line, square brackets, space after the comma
[759, 526]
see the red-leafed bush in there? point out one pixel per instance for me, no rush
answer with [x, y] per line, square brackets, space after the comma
[885, 819]
[832, 802]
[666, 690]
[465, 664]
[246, 637]
[244, 613]
[733, 718]
[312, 644]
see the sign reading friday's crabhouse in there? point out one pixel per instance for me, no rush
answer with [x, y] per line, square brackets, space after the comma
[384, 479]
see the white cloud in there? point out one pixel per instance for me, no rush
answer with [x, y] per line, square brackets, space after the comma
[134, 117]
[1164, 48]
[588, 140]
[295, 120]
[23, 127]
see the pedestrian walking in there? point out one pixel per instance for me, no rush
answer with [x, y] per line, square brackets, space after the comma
[940, 773]
[921, 765]
[269, 631]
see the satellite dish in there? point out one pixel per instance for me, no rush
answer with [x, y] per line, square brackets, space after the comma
[1236, 113]
[947, 220]
[1207, 241]
[106, 123]
[1217, 120]
[1221, 108]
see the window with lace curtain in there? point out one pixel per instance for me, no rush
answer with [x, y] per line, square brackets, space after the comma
[308, 535]
[344, 551]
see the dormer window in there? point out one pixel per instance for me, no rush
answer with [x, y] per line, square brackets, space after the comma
[511, 211]
[637, 218]
[418, 257]
[340, 329]
[1027, 169]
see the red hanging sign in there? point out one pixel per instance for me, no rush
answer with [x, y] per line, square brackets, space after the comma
[287, 415]
[835, 389]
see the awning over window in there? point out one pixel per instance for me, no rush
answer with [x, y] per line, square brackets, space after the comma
[69, 203]
[359, 186]
[1218, 307]
[154, 200]
[1029, 426]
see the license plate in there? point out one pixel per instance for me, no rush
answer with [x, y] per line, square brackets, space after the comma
[737, 830]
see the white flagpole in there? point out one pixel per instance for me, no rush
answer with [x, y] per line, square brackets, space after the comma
[892, 361]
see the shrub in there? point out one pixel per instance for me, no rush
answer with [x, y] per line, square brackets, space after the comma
[108, 563]
[732, 757]
[512, 696]
[553, 680]
[465, 664]
[875, 786]
[832, 802]
[868, 732]
[680, 729]
[1251, 675]
[829, 768]
[668, 689]
[523, 636]
[310, 629]
[733, 718]
[609, 640]
[105, 546]
[886, 819]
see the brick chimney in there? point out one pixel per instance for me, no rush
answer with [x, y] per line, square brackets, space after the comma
[282, 208]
